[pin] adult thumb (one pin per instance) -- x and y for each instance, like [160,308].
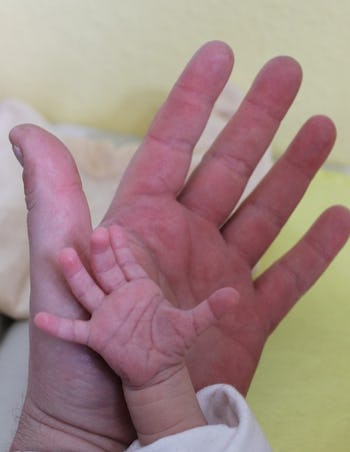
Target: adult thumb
[57,207]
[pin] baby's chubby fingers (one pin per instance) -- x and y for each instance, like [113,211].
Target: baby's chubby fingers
[103,261]
[211,310]
[67,329]
[82,285]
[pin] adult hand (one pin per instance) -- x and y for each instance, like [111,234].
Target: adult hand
[182,234]
[74,400]
[183,231]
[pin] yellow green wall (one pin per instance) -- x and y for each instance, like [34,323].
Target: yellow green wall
[109,63]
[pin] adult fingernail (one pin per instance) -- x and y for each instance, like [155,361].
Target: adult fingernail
[18,153]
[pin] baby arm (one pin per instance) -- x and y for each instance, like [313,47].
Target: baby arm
[142,337]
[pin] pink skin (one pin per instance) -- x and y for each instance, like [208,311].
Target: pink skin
[141,336]
[181,234]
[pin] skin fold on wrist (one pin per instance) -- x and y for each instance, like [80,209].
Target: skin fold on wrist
[39,432]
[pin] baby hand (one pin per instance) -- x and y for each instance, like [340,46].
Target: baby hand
[142,337]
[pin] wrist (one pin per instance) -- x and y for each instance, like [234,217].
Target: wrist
[165,408]
[41,432]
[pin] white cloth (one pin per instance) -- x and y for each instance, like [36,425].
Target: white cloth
[231,427]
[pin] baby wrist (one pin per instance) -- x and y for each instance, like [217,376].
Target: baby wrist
[164,409]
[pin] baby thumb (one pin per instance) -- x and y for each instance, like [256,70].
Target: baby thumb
[211,310]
